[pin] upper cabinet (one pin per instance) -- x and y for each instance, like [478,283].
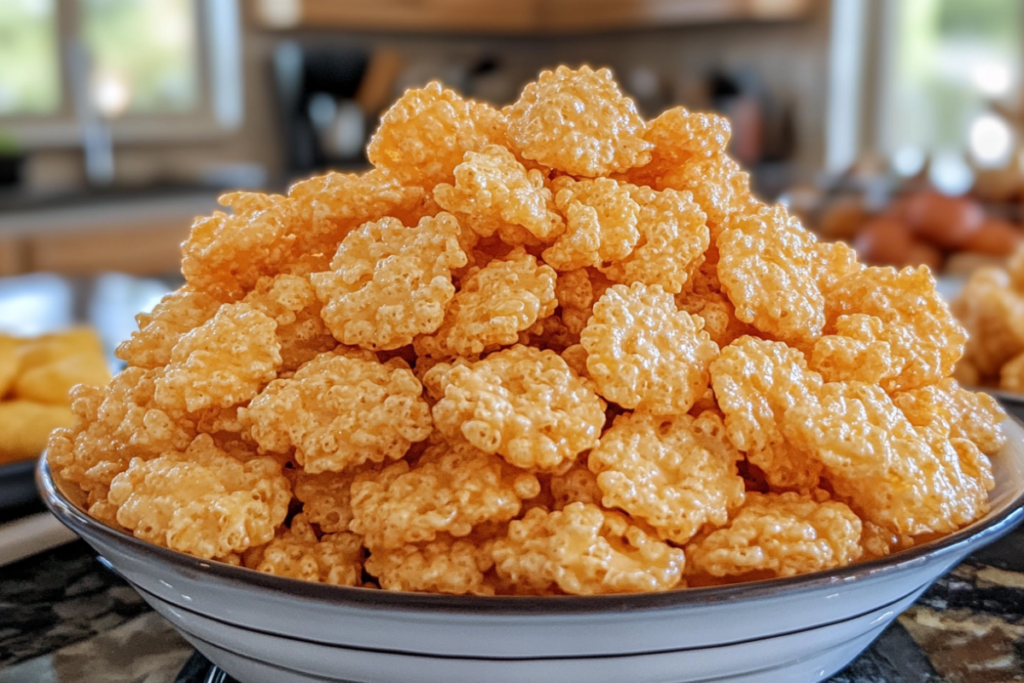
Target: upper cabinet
[517,16]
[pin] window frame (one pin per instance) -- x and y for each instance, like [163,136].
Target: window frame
[219,109]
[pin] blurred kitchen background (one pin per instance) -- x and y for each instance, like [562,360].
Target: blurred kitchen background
[893,124]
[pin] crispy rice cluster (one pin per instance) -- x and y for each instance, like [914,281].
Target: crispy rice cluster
[550,349]
[991,308]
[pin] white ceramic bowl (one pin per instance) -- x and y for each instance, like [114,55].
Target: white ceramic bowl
[266,629]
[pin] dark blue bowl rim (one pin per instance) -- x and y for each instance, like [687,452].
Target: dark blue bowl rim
[959,543]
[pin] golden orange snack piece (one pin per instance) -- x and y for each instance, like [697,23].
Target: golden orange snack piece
[601,219]
[679,135]
[493,189]
[577,485]
[290,301]
[833,262]
[579,122]
[717,313]
[493,306]
[225,254]
[859,351]
[330,206]
[202,501]
[178,313]
[775,535]
[223,362]
[577,291]
[910,480]
[526,405]
[584,550]
[113,425]
[644,353]
[450,490]
[675,473]
[341,409]
[389,283]
[673,238]
[756,383]
[427,133]
[335,558]
[717,184]
[925,339]
[326,497]
[767,269]
[970,415]
[444,565]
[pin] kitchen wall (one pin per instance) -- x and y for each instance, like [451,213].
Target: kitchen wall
[789,59]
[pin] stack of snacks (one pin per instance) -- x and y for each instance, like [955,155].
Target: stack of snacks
[35,378]
[991,309]
[543,350]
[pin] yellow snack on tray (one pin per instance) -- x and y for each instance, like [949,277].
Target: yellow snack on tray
[50,348]
[677,474]
[778,535]
[526,405]
[390,283]
[25,426]
[578,122]
[9,363]
[584,550]
[341,410]
[644,353]
[51,383]
[553,349]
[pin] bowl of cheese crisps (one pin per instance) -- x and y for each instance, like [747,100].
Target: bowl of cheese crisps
[36,374]
[547,394]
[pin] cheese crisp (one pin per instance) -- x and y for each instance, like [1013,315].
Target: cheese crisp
[543,350]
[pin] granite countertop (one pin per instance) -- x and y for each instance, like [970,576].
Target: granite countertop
[67,619]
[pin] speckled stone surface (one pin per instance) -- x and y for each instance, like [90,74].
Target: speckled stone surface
[66,619]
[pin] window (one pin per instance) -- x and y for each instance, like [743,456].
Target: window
[144,53]
[153,69]
[29,62]
[953,77]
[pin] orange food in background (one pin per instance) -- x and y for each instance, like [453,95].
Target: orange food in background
[924,228]
[36,376]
